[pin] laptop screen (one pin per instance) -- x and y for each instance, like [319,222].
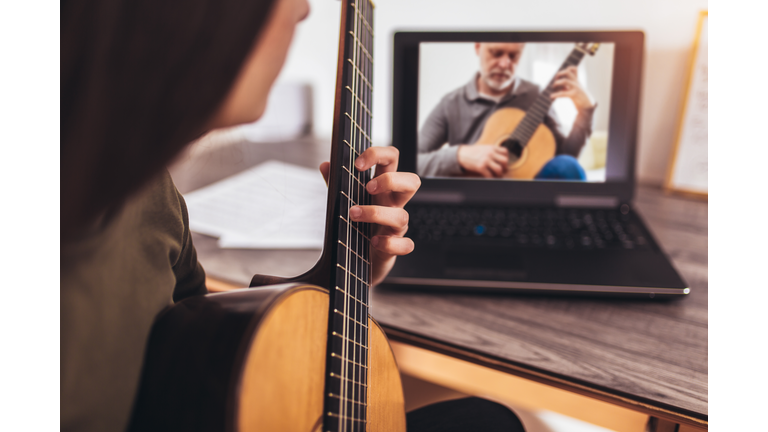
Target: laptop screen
[514,110]
[545,117]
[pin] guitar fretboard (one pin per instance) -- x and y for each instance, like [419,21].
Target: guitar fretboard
[346,393]
[536,113]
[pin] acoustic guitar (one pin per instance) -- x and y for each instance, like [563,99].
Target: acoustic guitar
[303,355]
[530,143]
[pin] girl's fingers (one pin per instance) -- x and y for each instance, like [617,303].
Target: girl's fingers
[403,183]
[385,159]
[393,245]
[396,218]
[325,170]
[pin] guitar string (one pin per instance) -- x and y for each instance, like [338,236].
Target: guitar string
[358,287]
[364,198]
[366,177]
[345,384]
[360,116]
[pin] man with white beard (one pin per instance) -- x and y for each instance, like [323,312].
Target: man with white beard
[458,120]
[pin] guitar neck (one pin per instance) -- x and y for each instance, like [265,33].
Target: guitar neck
[538,111]
[348,242]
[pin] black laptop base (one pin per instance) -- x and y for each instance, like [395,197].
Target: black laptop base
[571,259]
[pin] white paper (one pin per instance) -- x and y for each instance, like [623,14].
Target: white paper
[274,205]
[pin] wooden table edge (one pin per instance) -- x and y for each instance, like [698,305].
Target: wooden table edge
[643,406]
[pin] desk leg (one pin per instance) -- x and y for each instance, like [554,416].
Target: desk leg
[660,425]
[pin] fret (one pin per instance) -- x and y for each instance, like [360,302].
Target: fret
[529,126]
[336,310]
[352,354]
[356,312]
[348,400]
[362,18]
[348,317]
[354,319]
[353,275]
[349,380]
[359,128]
[340,357]
[362,46]
[341,336]
[346,417]
[360,184]
[360,102]
[340,363]
[356,254]
[362,75]
[350,200]
[356,229]
[352,189]
[351,147]
[357,300]
[539,110]
[344,359]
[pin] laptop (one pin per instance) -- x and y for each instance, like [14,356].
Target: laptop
[525,144]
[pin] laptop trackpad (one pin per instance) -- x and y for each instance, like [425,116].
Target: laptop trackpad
[489,263]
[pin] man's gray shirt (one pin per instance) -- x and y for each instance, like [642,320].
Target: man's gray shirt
[460,116]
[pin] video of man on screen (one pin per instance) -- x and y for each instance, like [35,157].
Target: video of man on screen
[521,111]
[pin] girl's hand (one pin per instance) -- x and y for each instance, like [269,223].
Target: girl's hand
[390,191]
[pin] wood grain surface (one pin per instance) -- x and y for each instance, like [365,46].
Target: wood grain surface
[648,352]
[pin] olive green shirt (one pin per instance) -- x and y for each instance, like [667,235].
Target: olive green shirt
[114,281]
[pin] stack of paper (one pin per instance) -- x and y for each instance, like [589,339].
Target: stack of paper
[274,205]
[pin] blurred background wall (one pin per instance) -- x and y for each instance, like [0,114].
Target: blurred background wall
[669,27]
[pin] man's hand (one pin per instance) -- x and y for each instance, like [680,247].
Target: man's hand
[567,85]
[486,160]
[390,191]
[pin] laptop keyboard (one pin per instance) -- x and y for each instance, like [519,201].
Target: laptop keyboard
[546,228]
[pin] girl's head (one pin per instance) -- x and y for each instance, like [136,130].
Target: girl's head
[140,79]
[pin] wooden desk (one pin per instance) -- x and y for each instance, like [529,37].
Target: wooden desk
[614,363]
[646,357]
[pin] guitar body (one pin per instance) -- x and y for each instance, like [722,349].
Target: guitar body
[254,360]
[539,150]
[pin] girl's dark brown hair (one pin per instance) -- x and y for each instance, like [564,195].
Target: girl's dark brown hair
[139,81]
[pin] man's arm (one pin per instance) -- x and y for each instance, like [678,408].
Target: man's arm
[580,131]
[567,85]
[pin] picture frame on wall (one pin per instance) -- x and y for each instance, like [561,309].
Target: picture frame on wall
[688,168]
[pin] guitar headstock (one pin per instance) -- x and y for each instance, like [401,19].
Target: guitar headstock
[588,47]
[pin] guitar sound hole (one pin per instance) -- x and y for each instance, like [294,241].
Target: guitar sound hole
[514,147]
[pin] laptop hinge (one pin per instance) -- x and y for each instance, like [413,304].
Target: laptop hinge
[587,201]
